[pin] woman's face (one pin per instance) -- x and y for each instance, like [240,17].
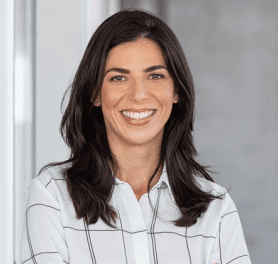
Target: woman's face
[137,93]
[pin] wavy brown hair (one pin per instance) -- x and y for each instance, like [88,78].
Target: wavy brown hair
[89,177]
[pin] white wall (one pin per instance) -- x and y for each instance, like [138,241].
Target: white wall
[59,42]
[24,111]
[17,79]
[6,131]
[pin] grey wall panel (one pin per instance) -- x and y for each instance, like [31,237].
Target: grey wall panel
[231,48]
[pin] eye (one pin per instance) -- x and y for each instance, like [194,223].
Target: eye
[116,78]
[157,76]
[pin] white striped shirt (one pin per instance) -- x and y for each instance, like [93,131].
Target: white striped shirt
[53,235]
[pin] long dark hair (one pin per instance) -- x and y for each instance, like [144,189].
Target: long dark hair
[89,177]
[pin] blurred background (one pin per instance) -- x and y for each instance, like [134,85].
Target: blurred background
[231,48]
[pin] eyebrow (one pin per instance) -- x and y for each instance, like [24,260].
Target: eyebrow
[149,69]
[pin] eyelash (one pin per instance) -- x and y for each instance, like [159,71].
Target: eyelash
[161,75]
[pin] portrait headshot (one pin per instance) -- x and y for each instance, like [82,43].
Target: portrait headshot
[132,190]
[153,134]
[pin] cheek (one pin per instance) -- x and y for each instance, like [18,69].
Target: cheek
[109,99]
[166,97]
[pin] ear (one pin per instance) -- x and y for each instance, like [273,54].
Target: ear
[97,101]
[175,98]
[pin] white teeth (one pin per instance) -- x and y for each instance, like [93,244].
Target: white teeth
[137,116]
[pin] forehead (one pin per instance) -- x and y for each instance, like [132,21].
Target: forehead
[142,52]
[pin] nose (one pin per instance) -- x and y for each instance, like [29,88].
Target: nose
[138,91]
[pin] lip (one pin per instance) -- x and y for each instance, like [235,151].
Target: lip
[139,110]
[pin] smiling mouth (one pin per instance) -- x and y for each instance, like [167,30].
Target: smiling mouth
[138,115]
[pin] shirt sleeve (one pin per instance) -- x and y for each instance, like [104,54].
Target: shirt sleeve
[43,240]
[229,246]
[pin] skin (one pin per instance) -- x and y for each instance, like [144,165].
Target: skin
[136,148]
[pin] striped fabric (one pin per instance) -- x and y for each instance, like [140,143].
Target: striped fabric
[53,235]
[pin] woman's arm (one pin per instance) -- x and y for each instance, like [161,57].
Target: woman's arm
[43,240]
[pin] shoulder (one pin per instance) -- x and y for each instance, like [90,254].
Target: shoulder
[209,186]
[50,182]
[223,206]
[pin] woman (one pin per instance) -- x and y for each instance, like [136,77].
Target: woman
[129,124]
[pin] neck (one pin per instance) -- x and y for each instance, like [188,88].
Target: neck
[137,164]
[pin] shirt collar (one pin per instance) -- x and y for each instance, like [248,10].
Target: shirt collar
[162,182]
